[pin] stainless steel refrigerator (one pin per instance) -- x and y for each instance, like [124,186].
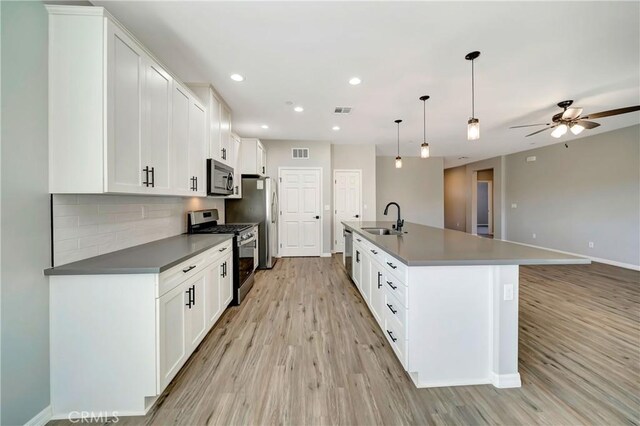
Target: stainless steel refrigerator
[259,204]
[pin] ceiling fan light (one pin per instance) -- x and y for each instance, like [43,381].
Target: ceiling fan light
[576,129]
[473,129]
[398,163]
[559,131]
[424,150]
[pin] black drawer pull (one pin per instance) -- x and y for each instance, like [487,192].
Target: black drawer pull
[395,287]
[393,311]
[395,339]
[392,265]
[379,276]
[374,252]
[358,240]
[222,249]
[185,270]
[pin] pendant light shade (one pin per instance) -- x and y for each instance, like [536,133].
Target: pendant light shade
[559,131]
[473,125]
[576,128]
[398,158]
[424,147]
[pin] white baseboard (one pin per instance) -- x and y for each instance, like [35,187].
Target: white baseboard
[325,255]
[504,381]
[42,418]
[592,258]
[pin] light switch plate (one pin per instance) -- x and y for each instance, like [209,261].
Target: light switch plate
[514,206]
[508,292]
[327,207]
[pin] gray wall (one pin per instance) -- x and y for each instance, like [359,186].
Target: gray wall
[361,157]
[570,196]
[24,224]
[279,155]
[418,187]
[455,198]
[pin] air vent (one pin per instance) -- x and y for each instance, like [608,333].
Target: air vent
[300,153]
[342,110]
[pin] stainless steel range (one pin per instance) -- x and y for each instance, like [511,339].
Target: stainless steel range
[206,222]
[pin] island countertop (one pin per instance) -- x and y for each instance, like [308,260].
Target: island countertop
[150,258]
[422,245]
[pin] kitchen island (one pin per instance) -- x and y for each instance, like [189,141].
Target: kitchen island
[446,301]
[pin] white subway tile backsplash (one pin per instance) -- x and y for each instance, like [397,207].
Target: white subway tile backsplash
[89,225]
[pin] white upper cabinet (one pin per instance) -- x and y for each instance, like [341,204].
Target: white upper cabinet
[254,157]
[197,142]
[118,121]
[236,163]
[219,144]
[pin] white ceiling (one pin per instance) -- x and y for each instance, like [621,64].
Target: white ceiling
[534,55]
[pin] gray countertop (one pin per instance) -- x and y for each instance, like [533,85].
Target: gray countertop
[150,258]
[428,246]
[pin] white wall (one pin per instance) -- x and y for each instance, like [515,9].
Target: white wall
[24,223]
[279,155]
[418,187]
[91,225]
[361,157]
[571,196]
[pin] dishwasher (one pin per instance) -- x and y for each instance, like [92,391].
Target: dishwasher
[348,251]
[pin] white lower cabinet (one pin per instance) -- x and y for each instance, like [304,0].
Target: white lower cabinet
[117,341]
[377,292]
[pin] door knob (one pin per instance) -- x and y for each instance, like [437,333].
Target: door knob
[357,216]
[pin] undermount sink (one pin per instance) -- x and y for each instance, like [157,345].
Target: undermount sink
[382,231]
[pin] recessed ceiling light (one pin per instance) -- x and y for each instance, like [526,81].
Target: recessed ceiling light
[237,77]
[298,109]
[336,128]
[355,81]
[264,126]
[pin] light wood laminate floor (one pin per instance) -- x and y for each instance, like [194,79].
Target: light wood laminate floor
[304,349]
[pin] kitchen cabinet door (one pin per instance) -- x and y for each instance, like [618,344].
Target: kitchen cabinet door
[377,292]
[357,265]
[226,285]
[196,315]
[125,112]
[236,163]
[215,278]
[157,97]
[365,276]
[197,141]
[261,166]
[179,165]
[172,342]
[225,135]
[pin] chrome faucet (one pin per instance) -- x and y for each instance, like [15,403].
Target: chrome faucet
[399,222]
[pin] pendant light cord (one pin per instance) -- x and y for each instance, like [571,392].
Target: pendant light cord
[398,139]
[473,91]
[424,126]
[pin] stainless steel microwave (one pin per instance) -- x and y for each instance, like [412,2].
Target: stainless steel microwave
[219,178]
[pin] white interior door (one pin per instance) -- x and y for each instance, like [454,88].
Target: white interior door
[300,212]
[347,201]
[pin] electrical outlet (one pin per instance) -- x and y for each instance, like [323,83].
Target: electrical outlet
[508,292]
[457,224]
[534,235]
[590,244]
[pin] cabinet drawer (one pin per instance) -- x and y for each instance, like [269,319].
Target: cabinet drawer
[396,338]
[219,251]
[396,287]
[376,253]
[395,311]
[395,267]
[174,276]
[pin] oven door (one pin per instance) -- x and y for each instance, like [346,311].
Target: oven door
[245,261]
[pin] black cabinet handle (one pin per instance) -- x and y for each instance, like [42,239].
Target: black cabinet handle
[393,311]
[391,335]
[192,180]
[358,240]
[191,299]
[237,190]
[263,170]
[146,176]
[185,270]
[395,287]
[224,154]
[222,270]
[153,177]
[222,249]
[379,276]
[373,251]
[392,265]
[193,293]
[357,256]
[196,181]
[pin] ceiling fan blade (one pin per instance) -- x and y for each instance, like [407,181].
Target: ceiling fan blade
[588,124]
[530,125]
[539,131]
[571,113]
[612,112]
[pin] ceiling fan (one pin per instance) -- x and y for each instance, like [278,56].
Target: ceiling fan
[570,119]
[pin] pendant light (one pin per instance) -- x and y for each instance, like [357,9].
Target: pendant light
[473,125]
[398,158]
[424,148]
